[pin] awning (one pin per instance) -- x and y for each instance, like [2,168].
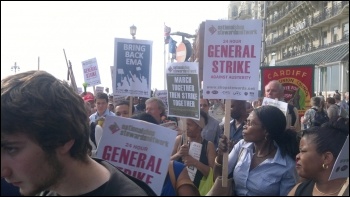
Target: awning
[328,55]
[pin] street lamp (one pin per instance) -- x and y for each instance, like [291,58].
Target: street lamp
[133,31]
[15,67]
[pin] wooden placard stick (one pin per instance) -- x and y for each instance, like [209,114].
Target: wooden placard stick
[131,105]
[227,134]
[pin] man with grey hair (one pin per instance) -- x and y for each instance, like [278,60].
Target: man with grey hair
[156,108]
[274,90]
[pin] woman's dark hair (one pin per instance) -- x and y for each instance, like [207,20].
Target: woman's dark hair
[145,117]
[316,101]
[329,136]
[330,100]
[274,121]
[204,115]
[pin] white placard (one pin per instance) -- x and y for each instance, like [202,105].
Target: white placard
[162,95]
[341,165]
[80,90]
[91,73]
[283,106]
[231,59]
[138,148]
[195,152]
[99,89]
[117,99]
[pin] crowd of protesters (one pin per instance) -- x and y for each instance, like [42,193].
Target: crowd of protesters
[49,133]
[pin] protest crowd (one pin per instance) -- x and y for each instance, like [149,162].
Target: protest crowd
[180,141]
[50,139]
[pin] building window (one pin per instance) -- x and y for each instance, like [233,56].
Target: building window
[234,11]
[249,7]
[334,34]
[324,37]
[325,5]
[333,79]
[345,30]
[317,80]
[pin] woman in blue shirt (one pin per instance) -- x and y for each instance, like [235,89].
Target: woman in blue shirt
[263,162]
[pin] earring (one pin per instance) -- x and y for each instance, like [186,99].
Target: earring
[265,137]
[324,166]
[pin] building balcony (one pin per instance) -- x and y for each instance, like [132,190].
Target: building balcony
[325,18]
[336,10]
[286,36]
[309,49]
[283,15]
[273,4]
[331,54]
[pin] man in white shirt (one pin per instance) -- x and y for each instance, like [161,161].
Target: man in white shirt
[274,90]
[101,102]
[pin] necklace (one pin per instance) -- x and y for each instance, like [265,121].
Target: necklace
[270,151]
[328,194]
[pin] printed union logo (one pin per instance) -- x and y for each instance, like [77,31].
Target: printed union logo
[114,128]
[170,69]
[246,93]
[343,168]
[214,92]
[237,93]
[208,92]
[225,92]
[212,30]
[251,93]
